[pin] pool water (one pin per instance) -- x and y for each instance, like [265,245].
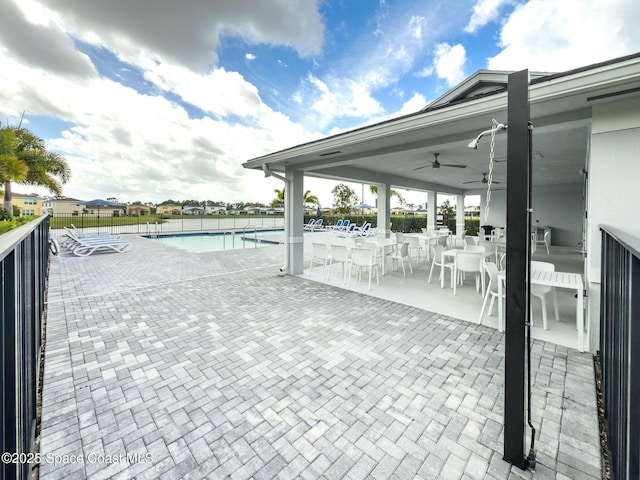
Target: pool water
[213,242]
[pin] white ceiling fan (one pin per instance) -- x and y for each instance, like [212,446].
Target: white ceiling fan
[436,164]
[484,180]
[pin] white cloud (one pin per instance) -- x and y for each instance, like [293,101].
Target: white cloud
[416,24]
[250,56]
[414,104]
[484,11]
[449,62]
[337,98]
[188,33]
[552,35]
[32,39]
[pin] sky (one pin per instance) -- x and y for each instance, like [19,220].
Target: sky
[152,100]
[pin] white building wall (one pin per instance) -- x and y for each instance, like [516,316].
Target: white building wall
[559,206]
[614,186]
[562,208]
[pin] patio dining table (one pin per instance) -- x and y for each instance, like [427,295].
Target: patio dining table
[381,243]
[568,280]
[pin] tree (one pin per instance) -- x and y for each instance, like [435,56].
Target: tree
[24,158]
[394,193]
[308,199]
[447,211]
[344,198]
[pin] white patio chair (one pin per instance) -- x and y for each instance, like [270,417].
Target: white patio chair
[363,258]
[319,252]
[415,248]
[468,240]
[493,292]
[468,262]
[400,255]
[542,291]
[339,254]
[437,260]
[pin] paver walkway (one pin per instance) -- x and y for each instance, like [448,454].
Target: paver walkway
[213,366]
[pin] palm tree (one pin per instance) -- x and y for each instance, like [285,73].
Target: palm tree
[24,158]
[393,193]
[308,198]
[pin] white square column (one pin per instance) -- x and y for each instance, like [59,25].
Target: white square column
[432,210]
[293,222]
[459,215]
[384,211]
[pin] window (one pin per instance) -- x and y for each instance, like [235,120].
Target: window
[28,212]
[30,201]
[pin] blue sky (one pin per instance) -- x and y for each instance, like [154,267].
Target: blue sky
[157,99]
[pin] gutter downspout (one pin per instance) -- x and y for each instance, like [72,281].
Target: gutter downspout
[270,173]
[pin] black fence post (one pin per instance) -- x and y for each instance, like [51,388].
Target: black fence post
[518,248]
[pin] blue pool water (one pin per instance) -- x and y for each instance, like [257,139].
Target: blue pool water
[213,242]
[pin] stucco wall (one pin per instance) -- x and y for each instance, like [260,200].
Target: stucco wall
[560,206]
[614,188]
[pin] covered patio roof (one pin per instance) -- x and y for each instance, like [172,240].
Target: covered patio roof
[392,152]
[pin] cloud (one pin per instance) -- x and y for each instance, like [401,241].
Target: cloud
[484,11]
[549,35]
[338,98]
[40,45]
[188,33]
[449,62]
[416,103]
[250,56]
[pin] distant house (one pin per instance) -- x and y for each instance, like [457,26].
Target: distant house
[28,204]
[399,211]
[138,210]
[193,210]
[217,210]
[169,209]
[62,205]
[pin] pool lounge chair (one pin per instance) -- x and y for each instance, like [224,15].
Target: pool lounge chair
[84,247]
[337,226]
[310,224]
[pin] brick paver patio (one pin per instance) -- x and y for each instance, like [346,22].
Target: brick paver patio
[211,365]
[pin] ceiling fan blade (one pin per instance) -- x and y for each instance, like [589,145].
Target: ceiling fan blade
[420,168]
[452,165]
[473,181]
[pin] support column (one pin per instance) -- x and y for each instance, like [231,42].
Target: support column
[518,251]
[384,211]
[459,215]
[294,218]
[432,210]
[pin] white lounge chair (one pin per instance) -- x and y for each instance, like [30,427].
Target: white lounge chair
[84,247]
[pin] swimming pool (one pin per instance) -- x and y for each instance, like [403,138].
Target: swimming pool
[216,241]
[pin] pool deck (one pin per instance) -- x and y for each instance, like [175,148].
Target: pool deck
[212,365]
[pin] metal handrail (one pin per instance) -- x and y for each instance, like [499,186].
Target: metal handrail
[224,239]
[255,235]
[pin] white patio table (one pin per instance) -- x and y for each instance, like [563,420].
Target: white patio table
[568,280]
[381,243]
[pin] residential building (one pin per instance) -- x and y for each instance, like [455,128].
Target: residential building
[169,209]
[28,204]
[138,210]
[63,205]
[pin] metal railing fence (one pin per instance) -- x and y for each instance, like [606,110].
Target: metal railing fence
[620,349]
[24,257]
[156,224]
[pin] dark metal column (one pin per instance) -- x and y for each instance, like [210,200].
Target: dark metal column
[518,248]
